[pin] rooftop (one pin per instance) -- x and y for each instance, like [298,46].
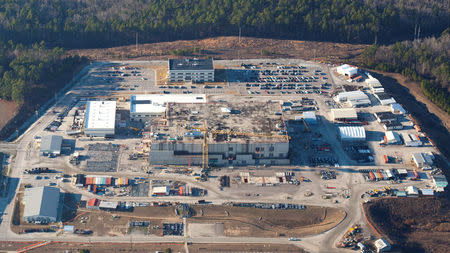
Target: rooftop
[51,143]
[100,114]
[191,64]
[41,201]
[247,121]
[157,103]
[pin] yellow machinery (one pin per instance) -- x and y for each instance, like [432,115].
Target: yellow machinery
[205,157]
[204,129]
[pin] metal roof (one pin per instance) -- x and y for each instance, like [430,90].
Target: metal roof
[156,103]
[352,133]
[100,115]
[51,144]
[41,201]
[346,113]
[191,64]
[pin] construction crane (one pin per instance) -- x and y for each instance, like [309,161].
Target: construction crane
[205,131]
[205,157]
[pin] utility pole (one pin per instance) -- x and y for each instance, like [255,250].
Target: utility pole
[137,42]
[239,34]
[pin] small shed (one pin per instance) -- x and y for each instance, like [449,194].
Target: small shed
[397,108]
[427,192]
[382,245]
[160,191]
[412,191]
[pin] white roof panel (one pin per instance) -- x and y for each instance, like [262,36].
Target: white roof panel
[156,103]
[346,113]
[352,132]
[100,115]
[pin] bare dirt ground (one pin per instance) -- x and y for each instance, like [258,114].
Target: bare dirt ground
[243,221]
[149,247]
[237,221]
[413,224]
[7,111]
[94,247]
[231,48]
[217,247]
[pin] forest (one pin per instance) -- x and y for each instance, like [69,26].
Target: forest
[424,60]
[33,74]
[106,23]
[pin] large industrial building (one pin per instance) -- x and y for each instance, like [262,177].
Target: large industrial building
[355,98]
[250,133]
[352,133]
[347,70]
[100,118]
[41,204]
[146,107]
[195,70]
[51,145]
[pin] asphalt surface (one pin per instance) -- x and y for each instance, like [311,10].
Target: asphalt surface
[324,242]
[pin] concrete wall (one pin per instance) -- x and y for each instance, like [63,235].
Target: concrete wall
[220,154]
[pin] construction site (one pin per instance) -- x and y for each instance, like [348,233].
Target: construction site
[221,134]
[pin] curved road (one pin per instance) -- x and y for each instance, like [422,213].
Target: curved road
[324,242]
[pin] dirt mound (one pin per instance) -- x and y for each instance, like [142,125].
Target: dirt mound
[414,224]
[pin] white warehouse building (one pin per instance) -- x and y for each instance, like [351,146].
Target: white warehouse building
[100,118]
[41,204]
[195,70]
[352,133]
[146,107]
[353,98]
[347,70]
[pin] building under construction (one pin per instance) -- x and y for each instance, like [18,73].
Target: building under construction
[220,134]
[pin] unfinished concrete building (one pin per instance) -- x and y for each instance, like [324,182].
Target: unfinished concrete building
[247,133]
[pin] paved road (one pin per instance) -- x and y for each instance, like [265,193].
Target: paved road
[318,243]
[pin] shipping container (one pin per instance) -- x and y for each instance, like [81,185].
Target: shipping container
[372,176]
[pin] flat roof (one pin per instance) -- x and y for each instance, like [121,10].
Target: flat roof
[51,143]
[248,120]
[100,115]
[41,201]
[191,64]
[345,113]
[157,103]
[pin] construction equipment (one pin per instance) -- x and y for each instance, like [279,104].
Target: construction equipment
[135,129]
[205,131]
[306,126]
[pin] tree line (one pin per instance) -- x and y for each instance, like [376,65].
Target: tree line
[33,74]
[424,60]
[105,23]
